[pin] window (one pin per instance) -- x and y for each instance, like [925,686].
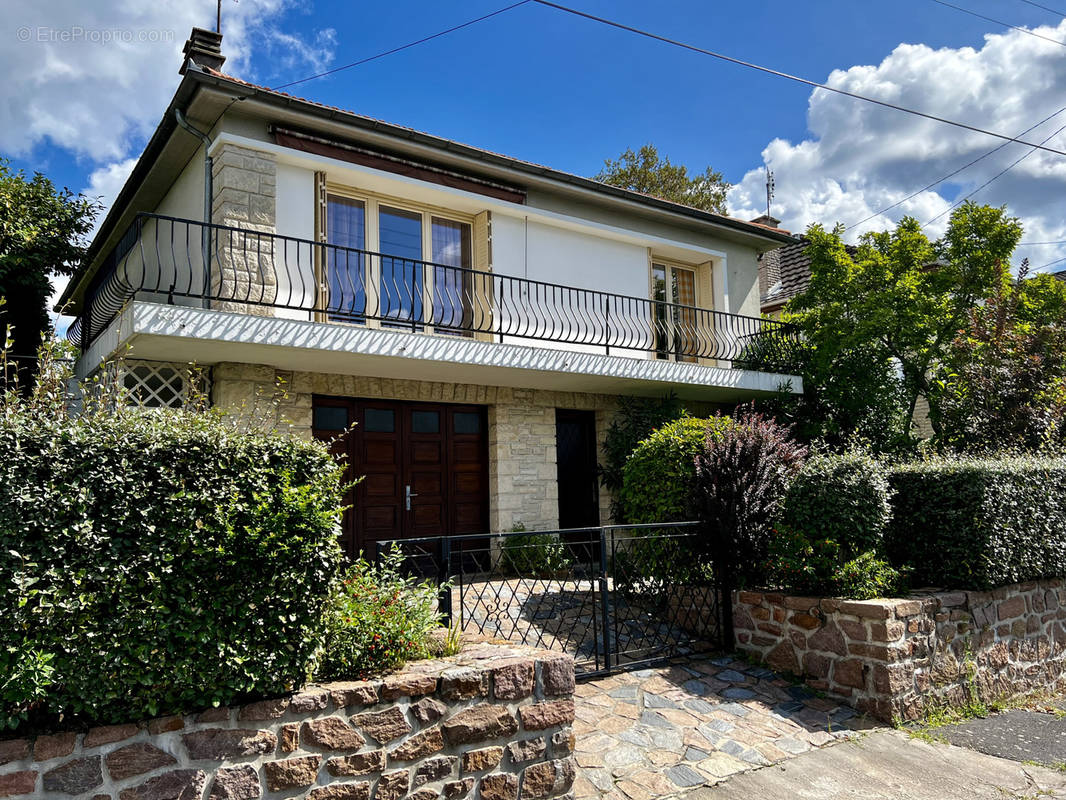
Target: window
[674,313]
[402,274]
[422,276]
[452,288]
[346,270]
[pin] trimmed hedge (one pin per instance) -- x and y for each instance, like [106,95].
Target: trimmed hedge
[659,477]
[843,498]
[829,536]
[979,523]
[160,562]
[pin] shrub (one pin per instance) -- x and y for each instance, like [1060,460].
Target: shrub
[979,523]
[651,563]
[830,531]
[158,562]
[842,498]
[380,619]
[659,479]
[741,476]
[819,567]
[539,555]
[637,417]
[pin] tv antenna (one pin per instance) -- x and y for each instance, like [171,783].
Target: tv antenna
[769,190]
[218,19]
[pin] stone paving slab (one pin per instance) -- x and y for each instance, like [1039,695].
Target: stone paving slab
[889,765]
[1018,734]
[660,732]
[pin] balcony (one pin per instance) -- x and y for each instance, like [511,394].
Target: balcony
[180,263]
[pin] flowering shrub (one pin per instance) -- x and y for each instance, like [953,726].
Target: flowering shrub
[381,618]
[820,566]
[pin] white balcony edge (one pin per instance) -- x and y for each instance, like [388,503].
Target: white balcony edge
[152,330]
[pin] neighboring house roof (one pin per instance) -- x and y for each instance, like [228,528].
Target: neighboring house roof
[783,274]
[1061,274]
[197,77]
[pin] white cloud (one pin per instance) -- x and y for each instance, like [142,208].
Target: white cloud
[861,158]
[94,77]
[106,182]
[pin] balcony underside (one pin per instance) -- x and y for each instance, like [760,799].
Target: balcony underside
[182,334]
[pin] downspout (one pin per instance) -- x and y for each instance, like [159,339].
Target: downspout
[208,195]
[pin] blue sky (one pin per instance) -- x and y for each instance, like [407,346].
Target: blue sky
[551,88]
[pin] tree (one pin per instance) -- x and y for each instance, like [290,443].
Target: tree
[888,310]
[42,232]
[646,172]
[1003,380]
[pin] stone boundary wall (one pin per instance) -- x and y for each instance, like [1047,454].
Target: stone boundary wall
[493,723]
[894,658]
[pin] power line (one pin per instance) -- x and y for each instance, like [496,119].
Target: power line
[796,78]
[998,175]
[423,40]
[1045,8]
[1000,22]
[953,173]
[1051,263]
[1034,244]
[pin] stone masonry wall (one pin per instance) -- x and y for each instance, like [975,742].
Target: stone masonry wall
[895,658]
[523,485]
[493,723]
[244,188]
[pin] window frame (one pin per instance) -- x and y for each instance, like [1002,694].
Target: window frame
[669,265]
[372,202]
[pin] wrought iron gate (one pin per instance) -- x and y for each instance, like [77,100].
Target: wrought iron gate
[615,597]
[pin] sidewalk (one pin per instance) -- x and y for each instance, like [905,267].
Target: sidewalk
[890,765]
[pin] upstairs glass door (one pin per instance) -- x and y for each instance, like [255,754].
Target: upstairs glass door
[402,279]
[453,290]
[674,293]
[345,270]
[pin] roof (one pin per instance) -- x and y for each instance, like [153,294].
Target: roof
[783,274]
[516,163]
[197,77]
[1061,274]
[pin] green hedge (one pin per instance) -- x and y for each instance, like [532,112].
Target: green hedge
[659,477]
[158,562]
[979,523]
[844,498]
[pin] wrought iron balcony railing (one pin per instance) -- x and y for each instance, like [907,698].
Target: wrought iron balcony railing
[182,262]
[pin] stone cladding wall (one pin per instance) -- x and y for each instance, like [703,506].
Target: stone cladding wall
[493,723]
[895,658]
[244,188]
[523,482]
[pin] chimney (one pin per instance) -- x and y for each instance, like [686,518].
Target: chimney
[204,49]
[767,220]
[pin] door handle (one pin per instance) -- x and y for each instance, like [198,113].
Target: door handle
[408,494]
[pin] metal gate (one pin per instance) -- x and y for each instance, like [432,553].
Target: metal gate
[614,597]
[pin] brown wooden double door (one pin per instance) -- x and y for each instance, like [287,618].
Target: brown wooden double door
[424,467]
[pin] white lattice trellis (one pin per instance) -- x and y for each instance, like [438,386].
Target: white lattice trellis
[159,384]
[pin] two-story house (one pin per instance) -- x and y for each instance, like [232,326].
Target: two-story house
[470,317]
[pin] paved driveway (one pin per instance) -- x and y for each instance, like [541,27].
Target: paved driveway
[664,731]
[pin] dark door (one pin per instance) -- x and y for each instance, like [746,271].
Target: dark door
[424,468]
[579,493]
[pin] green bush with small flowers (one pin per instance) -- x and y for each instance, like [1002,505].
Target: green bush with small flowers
[380,619]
